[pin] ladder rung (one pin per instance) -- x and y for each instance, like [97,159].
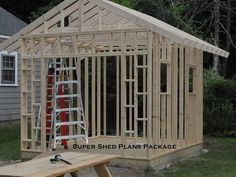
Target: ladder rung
[68,109]
[142,66]
[66,68]
[26,115]
[67,96]
[27,140]
[129,80]
[26,91]
[141,119]
[37,80]
[36,104]
[129,131]
[129,106]
[142,93]
[37,128]
[70,137]
[69,123]
[67,82]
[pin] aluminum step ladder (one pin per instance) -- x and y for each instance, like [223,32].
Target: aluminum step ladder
[74,107]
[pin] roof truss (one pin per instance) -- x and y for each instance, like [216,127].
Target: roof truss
[90,15]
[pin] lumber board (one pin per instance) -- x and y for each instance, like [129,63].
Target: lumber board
[199,91]
[93,96]
[40,21]
[117,96]
[98,96]
[186,78]
[123,94]
[130,59]
[42,166]
[149,90]
[181,93]
[24,102]
[169,86]
[156,89]
[105,95]
[86,83]
[144,96]
[33,90]
[102,170]
[43,100]
[174,91]
[119,11]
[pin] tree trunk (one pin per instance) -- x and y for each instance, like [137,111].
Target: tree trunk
[228,26]
[228,33]
[216,59]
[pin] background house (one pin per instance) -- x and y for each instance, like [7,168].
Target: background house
[9,82]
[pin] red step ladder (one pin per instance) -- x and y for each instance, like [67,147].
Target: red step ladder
[49,107]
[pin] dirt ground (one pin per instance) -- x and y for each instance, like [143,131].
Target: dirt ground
[115,171]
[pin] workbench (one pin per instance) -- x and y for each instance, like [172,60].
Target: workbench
[42,167]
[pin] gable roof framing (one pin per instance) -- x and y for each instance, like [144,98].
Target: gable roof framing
[89,12]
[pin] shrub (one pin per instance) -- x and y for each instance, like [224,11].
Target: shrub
[219,105]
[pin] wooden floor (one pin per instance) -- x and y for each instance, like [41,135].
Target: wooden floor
[108,143]
[136,157]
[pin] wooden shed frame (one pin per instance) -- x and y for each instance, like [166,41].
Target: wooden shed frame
[146,54]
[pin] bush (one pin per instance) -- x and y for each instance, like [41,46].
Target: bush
[219,105]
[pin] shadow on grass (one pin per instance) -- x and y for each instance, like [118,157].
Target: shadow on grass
[9,140]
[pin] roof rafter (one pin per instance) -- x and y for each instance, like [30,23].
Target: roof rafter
[104,12]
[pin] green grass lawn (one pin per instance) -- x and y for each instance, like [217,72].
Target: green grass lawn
[219,162]
[9,141]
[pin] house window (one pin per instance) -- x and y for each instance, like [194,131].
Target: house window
[8,66]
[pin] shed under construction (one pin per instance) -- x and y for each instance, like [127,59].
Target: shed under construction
[132,80]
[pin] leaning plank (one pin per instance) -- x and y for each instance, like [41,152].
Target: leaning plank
[43,97]
[102,170]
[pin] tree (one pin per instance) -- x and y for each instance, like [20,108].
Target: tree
[43,9]
[127,3]
[216,59]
